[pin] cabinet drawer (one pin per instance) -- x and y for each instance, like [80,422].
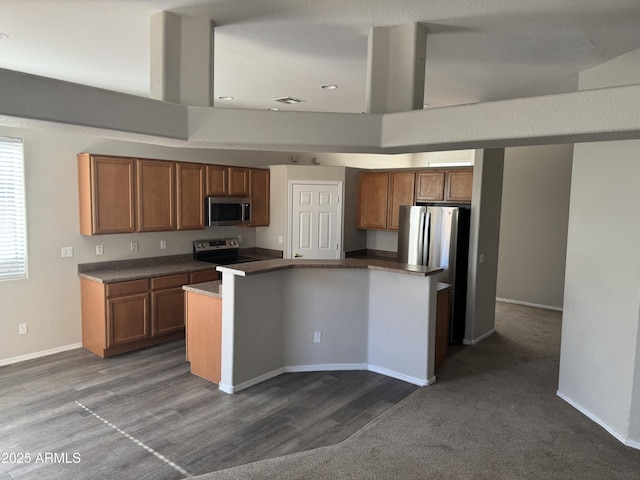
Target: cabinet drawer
[169,281]
[127,288]
[204,276]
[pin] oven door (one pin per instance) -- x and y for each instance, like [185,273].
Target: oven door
[227,211]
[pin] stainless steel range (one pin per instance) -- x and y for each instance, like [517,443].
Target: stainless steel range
[221,251]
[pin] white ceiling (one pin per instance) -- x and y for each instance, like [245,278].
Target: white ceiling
[477,50]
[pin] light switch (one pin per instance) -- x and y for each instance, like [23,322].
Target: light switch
[67,252]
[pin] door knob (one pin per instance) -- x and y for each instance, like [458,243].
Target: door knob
[297,255]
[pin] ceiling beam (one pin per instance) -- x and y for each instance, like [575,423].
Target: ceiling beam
[396,68]
[587,115]
[182,52]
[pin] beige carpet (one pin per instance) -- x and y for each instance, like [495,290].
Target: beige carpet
[492,414]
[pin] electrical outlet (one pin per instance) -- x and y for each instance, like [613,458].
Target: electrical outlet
[239,238]
[317,337]
[22,329]
[163,244]
[67,252]
[481,258]
[280,240]
[134,246]
[99,249]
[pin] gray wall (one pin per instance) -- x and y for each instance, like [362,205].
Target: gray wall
[483,244]
[49,299]
[600,357]
[533,229]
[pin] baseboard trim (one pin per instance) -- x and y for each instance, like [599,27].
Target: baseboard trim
[324,368]
[528,304]
[594,418]
[43,353]
[475,341]
[421,382]
[250,383]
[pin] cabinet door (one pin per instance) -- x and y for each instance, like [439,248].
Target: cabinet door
[459,186]
[401,192]
[167,311]
[156,195]
[127,319]
[217,180]
[430,186]
[239,181]
[190,192]
[373,191]
[204,336]
[107,194]
[259,186]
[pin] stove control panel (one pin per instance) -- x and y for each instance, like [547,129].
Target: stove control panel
[216,244]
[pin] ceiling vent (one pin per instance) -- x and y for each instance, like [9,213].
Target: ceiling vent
[288,100]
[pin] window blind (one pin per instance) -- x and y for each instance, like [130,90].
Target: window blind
[13,242]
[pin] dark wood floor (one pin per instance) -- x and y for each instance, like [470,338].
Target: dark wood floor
[142,415]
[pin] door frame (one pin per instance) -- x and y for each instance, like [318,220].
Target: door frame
[337,183]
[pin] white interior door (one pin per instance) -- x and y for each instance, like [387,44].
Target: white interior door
[316,215]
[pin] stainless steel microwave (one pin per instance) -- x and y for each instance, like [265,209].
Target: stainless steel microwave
[227,211]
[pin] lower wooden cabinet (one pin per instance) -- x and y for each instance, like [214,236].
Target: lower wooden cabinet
[443,314]
[204,335]
[124,316]
[127,319]
[167,304]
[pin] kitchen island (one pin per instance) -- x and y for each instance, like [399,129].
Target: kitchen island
[283,316]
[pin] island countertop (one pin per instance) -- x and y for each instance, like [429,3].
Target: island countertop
[265,266]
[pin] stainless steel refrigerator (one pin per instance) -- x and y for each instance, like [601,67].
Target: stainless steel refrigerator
[438,236]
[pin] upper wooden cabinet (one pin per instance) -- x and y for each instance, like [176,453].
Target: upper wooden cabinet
[156,195]
[373,195]
[430,186]
[190,195]
[224,180]
[239,181]
[217,180]
[381,193]
[401,192]
[106,188]
[259,192]
[126,195]
[459,186]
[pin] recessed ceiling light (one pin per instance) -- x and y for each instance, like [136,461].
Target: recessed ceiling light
[287,100]
[3,36]
[329,86]
[224,98]
[273,109]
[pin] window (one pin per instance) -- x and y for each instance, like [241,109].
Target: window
[13,238]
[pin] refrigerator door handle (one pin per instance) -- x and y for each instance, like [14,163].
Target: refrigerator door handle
[425,222]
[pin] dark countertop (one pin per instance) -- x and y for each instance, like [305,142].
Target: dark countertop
[266,266]
[210,289]
[125,270]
